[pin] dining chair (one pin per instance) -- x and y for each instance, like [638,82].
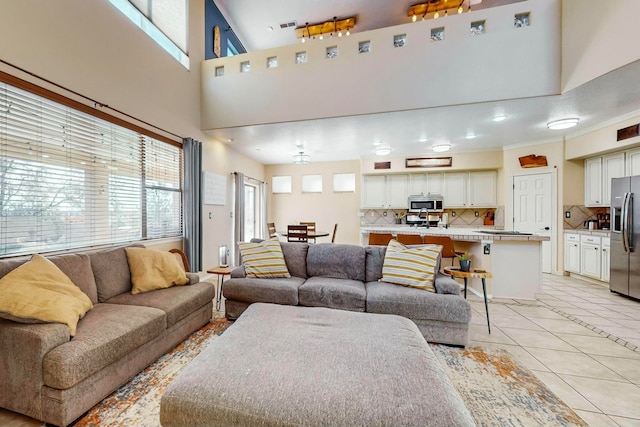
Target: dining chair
[448,249]
[271,226]
[297,233]
[380,239]
[409,239]
[311,229]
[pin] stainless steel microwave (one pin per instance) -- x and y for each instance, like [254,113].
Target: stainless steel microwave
[430,203]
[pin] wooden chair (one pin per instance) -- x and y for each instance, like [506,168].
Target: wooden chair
[182,258]
[311,228]
[409,239]
[271,227]
[379,239]
[297,233]
[335,230]
[448,249]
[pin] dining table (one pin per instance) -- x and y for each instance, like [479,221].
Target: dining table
[310,234]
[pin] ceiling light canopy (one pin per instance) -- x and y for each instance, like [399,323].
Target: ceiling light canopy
[499,117]
[470,135]
[301,158]
[563,124]
[334,26]
[383,151]
[441,148]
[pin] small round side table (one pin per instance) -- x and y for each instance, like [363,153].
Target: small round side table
[474,273]
[220,272]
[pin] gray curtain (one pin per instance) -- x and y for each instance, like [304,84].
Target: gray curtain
[238,190]
[193,202]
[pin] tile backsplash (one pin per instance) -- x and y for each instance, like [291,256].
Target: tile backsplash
[579,214]
[462,218]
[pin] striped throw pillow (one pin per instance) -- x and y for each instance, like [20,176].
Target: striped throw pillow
[263,259]
[415,266]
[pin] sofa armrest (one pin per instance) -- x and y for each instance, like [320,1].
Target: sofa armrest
[446,285]
[238,273]
[193,278]
[22,350]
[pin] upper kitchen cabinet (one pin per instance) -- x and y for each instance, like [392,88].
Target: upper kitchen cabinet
[632,162]
[470,189]
[426,183]
[385,191]
[598,174]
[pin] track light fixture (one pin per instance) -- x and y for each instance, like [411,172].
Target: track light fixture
[333,26]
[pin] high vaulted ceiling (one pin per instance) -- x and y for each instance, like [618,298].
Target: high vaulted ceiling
[413,132]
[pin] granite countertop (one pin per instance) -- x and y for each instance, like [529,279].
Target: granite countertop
[458,233]
[601,233]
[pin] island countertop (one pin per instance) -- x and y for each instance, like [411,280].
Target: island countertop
[456,233]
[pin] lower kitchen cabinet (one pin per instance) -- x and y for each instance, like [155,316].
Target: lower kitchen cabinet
[587,255]
[572,253]
[590,260]
[605,262]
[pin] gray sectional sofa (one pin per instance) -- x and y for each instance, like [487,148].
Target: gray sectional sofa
[49,375]
[347,277]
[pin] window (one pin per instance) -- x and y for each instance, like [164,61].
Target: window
[165,21]
[251,214]
[71,180]
[231,49]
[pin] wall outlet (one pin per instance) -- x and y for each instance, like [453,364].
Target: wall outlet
[567,214]
[476,213]
[384,213]
[453,214]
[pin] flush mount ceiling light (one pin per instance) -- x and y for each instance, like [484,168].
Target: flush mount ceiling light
[383,151]
[498,117]
[301,158]
[470,135]
[441,148]
[563,124]
[334,26]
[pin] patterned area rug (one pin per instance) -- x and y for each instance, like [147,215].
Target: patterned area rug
[500,392]
[496,389]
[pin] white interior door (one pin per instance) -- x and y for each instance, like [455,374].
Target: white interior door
[533,211]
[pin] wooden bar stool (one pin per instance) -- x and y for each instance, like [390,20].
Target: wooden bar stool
[380,239]
[409,239]
[474,273]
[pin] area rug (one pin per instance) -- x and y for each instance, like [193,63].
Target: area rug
[498,391]
[495,388]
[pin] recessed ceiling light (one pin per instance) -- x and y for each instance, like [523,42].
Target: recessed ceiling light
[423,139]
[563,124]
[270,28]
[441,148]
[499,118]
[470,135]
[376,143]
[383,151]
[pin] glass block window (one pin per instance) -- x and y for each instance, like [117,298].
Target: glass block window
[301,57]
[437,34]
[332,52]
[245,67]
[364,47]
[399,40]
[272,62]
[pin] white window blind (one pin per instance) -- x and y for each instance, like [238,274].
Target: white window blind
[70,180]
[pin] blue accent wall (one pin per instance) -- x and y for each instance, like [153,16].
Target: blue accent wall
[213,17]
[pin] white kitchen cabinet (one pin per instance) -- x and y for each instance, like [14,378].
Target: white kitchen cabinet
[435,183]
[455,189]
[426,183]
[374,192]
[482,189]
[385,191]
[598,174]
[572,252]
[605,260]
[632,162]
[590,256]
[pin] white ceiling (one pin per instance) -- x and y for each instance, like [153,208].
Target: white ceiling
[348,138]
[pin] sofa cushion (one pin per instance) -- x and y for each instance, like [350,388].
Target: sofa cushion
[177,302]
[415,266]
[78,268]
[38,291]
[111,271]
[277,290]
[344,294]
[337,261]
[387,298]
[373,263]
[295,255]
[151,270]
[263,259]
[104,336]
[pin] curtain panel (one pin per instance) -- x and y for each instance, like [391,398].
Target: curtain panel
[193,202]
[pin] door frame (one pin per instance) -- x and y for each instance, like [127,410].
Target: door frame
[555,229]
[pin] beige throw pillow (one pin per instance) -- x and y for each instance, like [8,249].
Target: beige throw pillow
[38,291]
[263,259]
[152,269]
[415,267]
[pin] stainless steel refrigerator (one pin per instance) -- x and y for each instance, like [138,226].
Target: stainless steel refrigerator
[625,232]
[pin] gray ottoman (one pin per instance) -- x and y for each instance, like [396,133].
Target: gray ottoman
[306,366]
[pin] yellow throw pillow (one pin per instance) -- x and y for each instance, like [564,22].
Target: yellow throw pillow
[38,291]
[152,269]
[263,259]
[415,267]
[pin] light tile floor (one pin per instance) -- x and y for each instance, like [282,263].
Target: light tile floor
[580,339]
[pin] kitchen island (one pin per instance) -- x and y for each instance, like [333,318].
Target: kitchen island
[513,258]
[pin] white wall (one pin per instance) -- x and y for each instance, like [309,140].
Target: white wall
[597,37]
[503,63]
[602,139]
[90,47]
